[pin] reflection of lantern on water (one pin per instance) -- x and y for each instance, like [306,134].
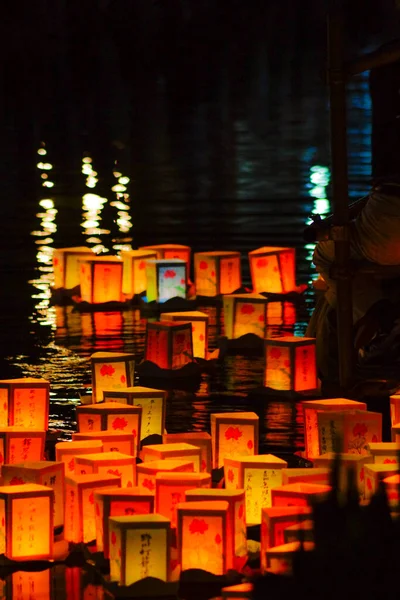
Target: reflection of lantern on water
[171,251]
[108,325]
[180,451]
[348,431]
[101,279]
[111,371]
[244,314]
[67,267]
[374,474]
[66,452]
[273,269]
[166,279]
[290,364]
[115,416]
[18,444]
[171,488]
[348,463]
[299,494]
[147,471]
[280,558]
[310,475]
[217,273]
[134,279]
[233,435]
[199,321]
[108,463]
[384,452]
[112,441]
[169,344]
[139,548]
[78,585]
[25,403]
[201,439]
[32,585]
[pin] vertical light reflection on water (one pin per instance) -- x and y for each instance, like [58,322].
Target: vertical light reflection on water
[122,205]
[92,206]
[317,188]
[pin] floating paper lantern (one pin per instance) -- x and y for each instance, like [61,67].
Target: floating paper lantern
[348,432]
[310,408]
[101,279]
[385,452]
[392,488]
[241,591]
[118,502]
[147,471]
[180,451]
[79,519]
[257,475]
[25,403]
[280,558]
[166,279]
[300,532]
[245,313]
[201,439]
[199,321]
[67,266]
[290,364]
[152,401]
[46,473]
[111,371]
[169,344]
[374,474]
[115,416]
[202,536]
[299,494]
[217,273]
[113,441]
[26,522]
[233,434]
[139,548]
[108,463]
[394,409]
[171,251]
[67,451]
[171,488]
[348,462]
[273,269]
[134,280]
[18,445]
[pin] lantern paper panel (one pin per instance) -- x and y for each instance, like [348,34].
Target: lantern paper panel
[113,441]
[118,502]
[66,265]
[202,536]
[166,279]
[241,591]
[25,403]
[46,473]
[18,444]
[374,474]
[233,435]
[310,408]
[172,251]
[29,585]
[394,409]
[300,532]
[348,431]
[171,488]
[147,471]
[290,364]
[385,452]
[299,494]
[244,314]
[217,273]
[108,463]
[199,321]
[273,269]
[111,371]
[169,344]
[101,279]
[114,416]
[280,558]
[392,488]
[180,451]
[307,475]
[139,548]
[67,451]
[134,280]
[201,439]
[152,401]
[348,462]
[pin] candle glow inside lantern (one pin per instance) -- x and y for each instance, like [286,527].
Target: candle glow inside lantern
[152,401]
[290,364]
[201,439]
[26,522]
[108,463]
[113,441]
[199,321]
[134,280]
[115,416]
[25,403]
[46,473]
[217,273]
[257,475]
[118,502]
[280,558]
[310,475]
[18,444]
[245,313]
[394,409]
[385,452]
[67,451]
[233,435]
[273,269]
[299,494]
[169,344]
[66,266]
[310,408]
[139,548]
[202,536]
[111,371]
[348,431]
[147,471]
[79,516]
[392,488]
[348,462]
[166,279]
[374,474]
[171,251]
[101,279]
[181,451]
[171,488]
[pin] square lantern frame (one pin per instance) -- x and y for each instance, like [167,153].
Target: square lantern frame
[112,357]
[8,391]
[70,450]
[179,451]
[106,411]
[91,263]
[218,256]
[190,316]
[202,439]
[287,284]
[171,327]
[238,418]
[293,342]
[156,265]
[112,441]
[7,434]
[113,460]
[64,255]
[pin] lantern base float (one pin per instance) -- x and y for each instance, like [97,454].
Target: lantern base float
[87,307]
[211,584]
[250,343]
[218,299]
[64,297]
[150,587]
[147,368]
[267,392]
[172,305]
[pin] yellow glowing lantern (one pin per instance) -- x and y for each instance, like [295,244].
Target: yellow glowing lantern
[166,279]
[374,474]
[25,403]
[147,471]
[348,463]
[134,280]
[31,585]
[170,491]
[46,473]
[202,536]
[67,266]
[245,313]
[280,558]
[199,321]
[310,408]
[310,475]
[18,444]
[233,435]
[139,548]
[112,441]
[101,279]
[257,475]
[201,439]
[181,451]
[169,344]
[290,364]
[236,534]
[171,251]
[300,532]
[79,516]
[348,431]
[241,591]
[273,269]
[394,409]
[152,401]
[118,502]
[111,371]
[108,463]
[299,494]
[385,452]
[217,273]
[67,451]
[115,416]
[26,522]
[274,521]
[392,488]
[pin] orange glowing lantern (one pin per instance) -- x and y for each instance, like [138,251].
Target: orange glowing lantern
[25,403]
[46,473]
[26,522]
[394,409]
[67,451]
[299,494]
[310,408]
[273,269]
[134,280]
[67,266]
[169,344]
[111,371]
[139,548]
[147,471]
[396,433]
[392,488]
[202,536]
[201,439]
[30,585]
[348,463]
[290,364]
[18,445]
[152,401]
[274,521]
[171,488]
[241,591]
[348,431]
[180,451]
[245,313]
[233,435]
[166,279]
[115,416]
[199,321]
[236,535]
[385,452]
[171,251]
[257,475]
[280,558]
[374,474]
[217,273]
[79,516]
[108,463]
[101,279]
[118,502]
[306,476]
[300,532]
[113,441]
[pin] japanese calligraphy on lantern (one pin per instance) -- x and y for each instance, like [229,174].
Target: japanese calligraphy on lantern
[31,585]
[258,484]
[31,518]
[152,415]
[157,349]
[151,560]
[354,430]
[30,408]
[182,351]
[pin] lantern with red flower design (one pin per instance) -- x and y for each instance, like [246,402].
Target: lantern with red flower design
[384,452]
[374,474]
[171,252]
[18,444]
[273,269]
[101,279]
[147,471]
[201,439]
[134,280]
[112,440]
[348,464]
[180,451]
[199,321]
[233,434]
[169,344]
[171,488]
[67,267]
[217,273]
[115,416]
[166,279]
[25,403]
[348,431]
[67,451]
[108,463]
[111,371]
[245,313]
[290,364]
